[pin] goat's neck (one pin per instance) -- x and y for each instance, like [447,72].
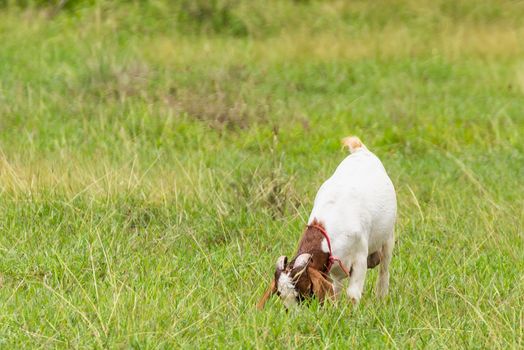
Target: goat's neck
[311,243]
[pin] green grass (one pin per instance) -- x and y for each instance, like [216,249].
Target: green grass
[156,158]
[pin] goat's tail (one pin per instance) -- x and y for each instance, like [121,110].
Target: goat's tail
[353,143]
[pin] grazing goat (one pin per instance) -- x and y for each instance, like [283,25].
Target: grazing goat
[349,230]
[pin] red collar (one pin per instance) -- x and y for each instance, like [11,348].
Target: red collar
[332,258]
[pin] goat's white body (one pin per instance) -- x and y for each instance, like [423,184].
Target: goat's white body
[357,206]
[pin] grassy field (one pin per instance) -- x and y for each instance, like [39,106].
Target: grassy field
[157,157]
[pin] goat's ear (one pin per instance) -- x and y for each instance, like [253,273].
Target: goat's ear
[322,288]
[269,292]
[281,263]
[302,260]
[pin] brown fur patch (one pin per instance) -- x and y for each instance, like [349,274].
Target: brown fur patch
[303,282]
[322,287]
[352,143]
[311,242]
[374,259]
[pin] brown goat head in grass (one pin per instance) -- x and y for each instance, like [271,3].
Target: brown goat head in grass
[297,281]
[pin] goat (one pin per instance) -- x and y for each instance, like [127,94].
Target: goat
[350,229]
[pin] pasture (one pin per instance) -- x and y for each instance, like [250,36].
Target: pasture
[157,157]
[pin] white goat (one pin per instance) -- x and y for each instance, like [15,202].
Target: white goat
[350,229]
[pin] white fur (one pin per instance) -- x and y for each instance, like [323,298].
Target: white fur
[288,294]
[357,206]
[324,245]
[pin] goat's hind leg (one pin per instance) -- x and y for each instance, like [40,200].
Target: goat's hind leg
[383,275]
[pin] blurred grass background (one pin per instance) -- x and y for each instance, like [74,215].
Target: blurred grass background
[156,157]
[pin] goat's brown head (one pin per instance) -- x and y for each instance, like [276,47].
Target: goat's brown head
[297,281]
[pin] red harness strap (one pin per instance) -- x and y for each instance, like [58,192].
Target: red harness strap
[332,258]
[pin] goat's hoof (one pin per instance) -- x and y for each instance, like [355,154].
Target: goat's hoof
[382,294]
[354,296]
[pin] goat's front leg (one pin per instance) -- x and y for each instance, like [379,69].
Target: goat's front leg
[358,277]
[383,276]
